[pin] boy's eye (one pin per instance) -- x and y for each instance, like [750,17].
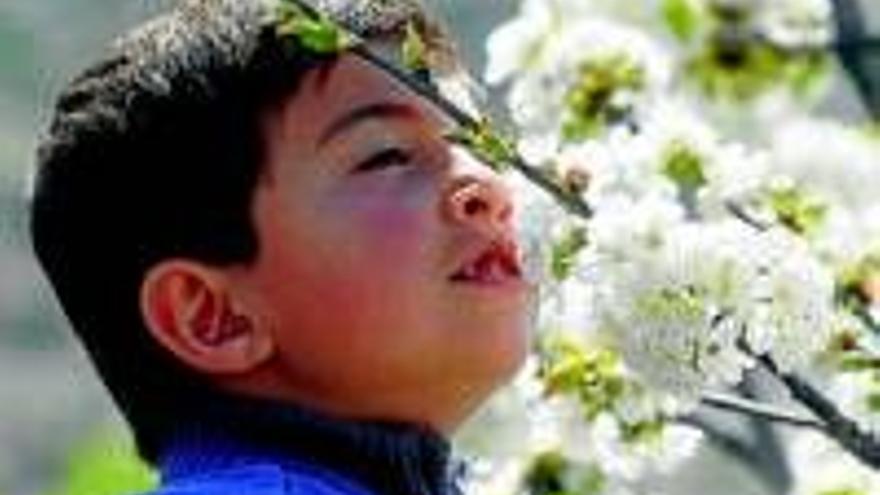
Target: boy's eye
[389,157]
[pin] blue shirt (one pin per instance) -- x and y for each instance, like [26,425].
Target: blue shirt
[255,447]
[224,469]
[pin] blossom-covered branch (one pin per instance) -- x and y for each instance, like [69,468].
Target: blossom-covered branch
[661,244]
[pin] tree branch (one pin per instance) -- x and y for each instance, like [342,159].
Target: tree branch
[740,213]
[860,311]
[852,50]
[864,445]
[573,203]
[759,410]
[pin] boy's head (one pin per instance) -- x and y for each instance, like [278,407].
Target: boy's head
[219,209]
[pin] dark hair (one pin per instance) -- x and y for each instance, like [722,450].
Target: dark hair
[155,152]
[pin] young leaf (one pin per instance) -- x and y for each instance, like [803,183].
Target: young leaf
[414,50]
[683,166]
[486,143]
[797,210]
[565,250]
[682,18]
[315,32]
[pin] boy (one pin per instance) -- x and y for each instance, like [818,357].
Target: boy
[287,277]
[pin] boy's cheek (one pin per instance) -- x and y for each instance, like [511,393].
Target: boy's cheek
[396,232]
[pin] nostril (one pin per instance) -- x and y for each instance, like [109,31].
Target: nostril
[475,205]
[506,212]
[474,199]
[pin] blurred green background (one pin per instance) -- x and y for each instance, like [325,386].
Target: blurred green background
[55,418]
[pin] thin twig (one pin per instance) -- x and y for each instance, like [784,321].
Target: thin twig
[850,23]
[573,203]
[760,410]
[860,311]
[739,212]
[862,444]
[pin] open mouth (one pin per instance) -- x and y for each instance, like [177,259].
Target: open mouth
[497,264]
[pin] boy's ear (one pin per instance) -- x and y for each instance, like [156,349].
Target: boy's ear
[187,308]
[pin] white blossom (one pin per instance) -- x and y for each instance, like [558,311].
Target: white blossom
[836,162]
[540,99]
[707,246]
[793,319]
[821,468]
[513,46]
[855,392]
[675,301]
[797,23]
[658,453]
[728,171]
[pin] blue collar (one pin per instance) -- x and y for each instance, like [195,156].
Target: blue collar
[388,458]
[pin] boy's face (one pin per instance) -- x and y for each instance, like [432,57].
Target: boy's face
[379,272]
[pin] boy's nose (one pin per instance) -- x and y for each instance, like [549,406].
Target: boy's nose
[478,197]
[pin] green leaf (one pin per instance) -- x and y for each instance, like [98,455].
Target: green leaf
[315,32]
[563,254]
[805,72]
[852,277]
[106,464]
[591,374]
[797,210]
[859,364]
[643,431]
[486,143]
[683,166]
[590,100]
[682,17]
[672,304]
[545,475]
[843,491]
[589,480]
[414,50]
[737,72]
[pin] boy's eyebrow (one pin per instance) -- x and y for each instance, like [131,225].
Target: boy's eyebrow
[382,109]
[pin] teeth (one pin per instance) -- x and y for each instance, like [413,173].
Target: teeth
[490,268]
[496,271]
[470,271]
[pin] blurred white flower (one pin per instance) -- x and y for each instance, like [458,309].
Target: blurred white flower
[575,76]
[797,23]
[657,452]
[516,44]
[793,319]
[678,152]
[670,280]
[676,307]
[857,393]
[846,235]
[538,219]
[836,162]
[821,467]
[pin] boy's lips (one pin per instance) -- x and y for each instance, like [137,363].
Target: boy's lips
[493,265]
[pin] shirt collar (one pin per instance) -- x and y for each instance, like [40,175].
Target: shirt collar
[389,458]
